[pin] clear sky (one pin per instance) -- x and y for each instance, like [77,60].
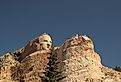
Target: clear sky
[22,20]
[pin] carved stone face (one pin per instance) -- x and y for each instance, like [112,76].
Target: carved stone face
[45,42]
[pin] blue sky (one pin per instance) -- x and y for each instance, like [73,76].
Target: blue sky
[23,20]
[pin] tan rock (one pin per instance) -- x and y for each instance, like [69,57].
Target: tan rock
[7,61]
[31,68]
[33,60]
[78,60]
[43,42]
[82,64]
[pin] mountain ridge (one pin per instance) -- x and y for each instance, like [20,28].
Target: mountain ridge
[79,60]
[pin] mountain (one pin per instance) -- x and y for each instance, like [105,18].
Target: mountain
[78,60]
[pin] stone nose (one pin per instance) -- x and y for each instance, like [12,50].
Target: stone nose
[48,45]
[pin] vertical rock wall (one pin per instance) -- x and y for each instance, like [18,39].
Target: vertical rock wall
[80,62]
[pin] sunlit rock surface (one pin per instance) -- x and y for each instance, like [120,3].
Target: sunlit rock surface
[79,61]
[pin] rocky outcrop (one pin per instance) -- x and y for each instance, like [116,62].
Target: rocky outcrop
[43,42]
[26,64]
[79,62]
[6,63]
[31,68]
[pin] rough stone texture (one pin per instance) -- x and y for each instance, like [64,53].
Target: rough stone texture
[6,63]
[31,68]
[79,62]
[43,42]
[26,64]
[82,64]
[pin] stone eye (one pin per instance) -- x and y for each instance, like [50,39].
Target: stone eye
[45,41]
[50,41]
[40,44]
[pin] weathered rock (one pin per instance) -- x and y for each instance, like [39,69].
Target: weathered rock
[26,64]
[79,62]
[43,42]
[6,63]
[82,64]
[31,68]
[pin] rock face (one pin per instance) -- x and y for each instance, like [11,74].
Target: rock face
[43,42]
[26,64]
[82,64]
[30,68]
[79,62]
[6,62]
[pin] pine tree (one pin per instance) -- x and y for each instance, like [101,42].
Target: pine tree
[52,72]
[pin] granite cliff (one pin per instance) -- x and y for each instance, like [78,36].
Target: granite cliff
[79,61]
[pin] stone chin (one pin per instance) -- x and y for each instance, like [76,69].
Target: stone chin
[45,47]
